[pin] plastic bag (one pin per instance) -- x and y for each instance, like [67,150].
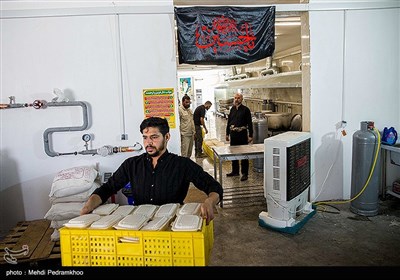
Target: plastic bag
[389,136]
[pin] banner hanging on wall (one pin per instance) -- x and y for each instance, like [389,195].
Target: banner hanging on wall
[225,35]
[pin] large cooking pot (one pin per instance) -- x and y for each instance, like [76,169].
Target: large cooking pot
[278,120]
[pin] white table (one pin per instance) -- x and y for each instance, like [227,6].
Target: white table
[229,153]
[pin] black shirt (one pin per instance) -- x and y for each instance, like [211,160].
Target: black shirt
[167,183]
[240,117]
[200,112]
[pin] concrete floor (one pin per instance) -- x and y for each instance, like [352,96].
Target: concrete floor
[333,237]
[334,241]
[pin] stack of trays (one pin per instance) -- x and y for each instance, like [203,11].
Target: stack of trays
[192,208]
[146,209]
[167,210]
[145,217]
[133,221]
[162,218]
[124,210]
[188,218]
[187,223]
[106,222]
[82,221]
[142,214]
[105,209]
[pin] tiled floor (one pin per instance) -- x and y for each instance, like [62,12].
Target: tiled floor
[236,192]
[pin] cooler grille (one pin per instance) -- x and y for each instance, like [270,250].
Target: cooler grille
[298,168]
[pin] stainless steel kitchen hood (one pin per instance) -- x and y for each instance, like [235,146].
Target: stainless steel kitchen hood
[281,80]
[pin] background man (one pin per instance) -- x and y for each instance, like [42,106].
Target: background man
[239,122]
[199,122]
[186,127]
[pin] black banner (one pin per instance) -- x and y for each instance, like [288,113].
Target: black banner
[225,35]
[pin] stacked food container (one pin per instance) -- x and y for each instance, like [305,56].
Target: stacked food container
[145,235]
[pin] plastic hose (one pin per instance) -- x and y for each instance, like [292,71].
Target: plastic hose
[366,183]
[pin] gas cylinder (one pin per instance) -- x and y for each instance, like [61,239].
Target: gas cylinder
[365,145]
[260,132]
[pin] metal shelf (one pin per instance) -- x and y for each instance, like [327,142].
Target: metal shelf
[389,191]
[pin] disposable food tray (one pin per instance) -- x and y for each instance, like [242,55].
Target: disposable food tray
[191,208]
[146,209]
[187,223]
[112,247]
[157,223]
[106,222]
[124,210]
[167,210]
[134,221]
[105,209]
[82,221]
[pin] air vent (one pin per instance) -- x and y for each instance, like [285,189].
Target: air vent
[275,161]
[275,173]
[276,185]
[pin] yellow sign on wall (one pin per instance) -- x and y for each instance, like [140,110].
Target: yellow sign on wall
[160,103]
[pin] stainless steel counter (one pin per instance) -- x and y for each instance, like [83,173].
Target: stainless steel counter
[228,153]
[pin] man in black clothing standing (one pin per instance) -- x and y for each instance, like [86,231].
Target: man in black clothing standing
[198,117]
[158,176]
[239,131]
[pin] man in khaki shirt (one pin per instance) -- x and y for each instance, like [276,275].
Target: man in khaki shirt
[186,127]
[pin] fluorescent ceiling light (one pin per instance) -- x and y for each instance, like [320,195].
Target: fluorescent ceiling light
[285,19]
[287,23]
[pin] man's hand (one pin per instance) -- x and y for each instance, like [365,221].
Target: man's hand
[207,207]
[93,202]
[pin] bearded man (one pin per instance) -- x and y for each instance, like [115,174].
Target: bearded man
[157,176]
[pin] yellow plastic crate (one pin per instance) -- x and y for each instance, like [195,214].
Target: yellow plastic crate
[95,247]
[208,150]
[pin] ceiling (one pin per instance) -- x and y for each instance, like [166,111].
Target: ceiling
[287,33]
[235,2]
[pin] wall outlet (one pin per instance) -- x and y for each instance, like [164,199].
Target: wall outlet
[106,176]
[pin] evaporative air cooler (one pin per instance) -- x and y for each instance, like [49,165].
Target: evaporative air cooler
[287,180]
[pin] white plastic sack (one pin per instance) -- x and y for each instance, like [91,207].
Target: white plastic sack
[72,181]
[64,211]
[79,197]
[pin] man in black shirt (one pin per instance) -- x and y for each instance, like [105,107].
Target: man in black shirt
[158,176]
[198,117]
[239,122]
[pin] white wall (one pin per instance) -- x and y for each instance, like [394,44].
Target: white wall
[80,55]
[205,80]
[354,77]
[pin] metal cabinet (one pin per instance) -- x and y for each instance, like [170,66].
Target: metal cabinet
[386,150]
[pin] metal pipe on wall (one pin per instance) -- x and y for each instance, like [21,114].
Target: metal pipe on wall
[103,151]
[46,134]
[42,104]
